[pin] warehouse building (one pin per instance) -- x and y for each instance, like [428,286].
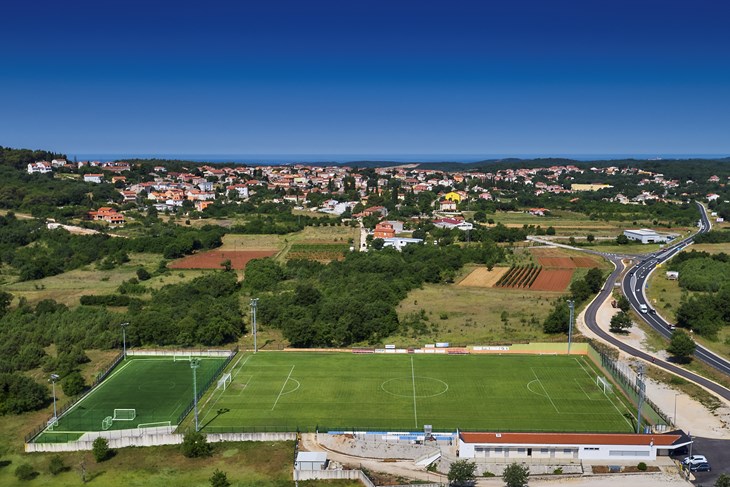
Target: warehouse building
[646,236]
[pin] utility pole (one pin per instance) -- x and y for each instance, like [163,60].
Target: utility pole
[194,364]
[254,304]
[571,306]
[642,390]
[124,339]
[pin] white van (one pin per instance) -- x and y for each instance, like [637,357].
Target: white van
[643,308]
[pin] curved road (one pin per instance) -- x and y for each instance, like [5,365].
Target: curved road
[634,283]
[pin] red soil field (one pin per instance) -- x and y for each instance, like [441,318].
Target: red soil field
[567,262]
[552,280]
[212,259]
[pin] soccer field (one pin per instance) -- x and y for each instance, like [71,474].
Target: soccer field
[335,391]
[158,388]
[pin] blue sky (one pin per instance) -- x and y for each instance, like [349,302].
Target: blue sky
[366,77]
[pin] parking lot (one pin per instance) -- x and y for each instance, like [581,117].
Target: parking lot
[718,456]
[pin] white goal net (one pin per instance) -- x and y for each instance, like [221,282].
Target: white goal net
[224,381]
[604,385]
[124,414]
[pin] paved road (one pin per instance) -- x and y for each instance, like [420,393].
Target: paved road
[634,286]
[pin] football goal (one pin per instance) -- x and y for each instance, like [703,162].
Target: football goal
[53,422]
[224,381]
[124,414]
[106,423]
[158,424]
[182,357]
[604,385]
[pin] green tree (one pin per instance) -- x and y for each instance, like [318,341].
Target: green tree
[681,346]
[100,449]
[5,300]
[195,444]
[73,384]
[557,320]
[378,243]
[142,274]
[623,304]
[219,479]
[550,231]
[590,238]
[622,239]
[516,475]
[723,480]
[594,279]
[462,472]
[620,322]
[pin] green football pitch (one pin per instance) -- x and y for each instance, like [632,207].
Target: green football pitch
[342,391]
[158,389]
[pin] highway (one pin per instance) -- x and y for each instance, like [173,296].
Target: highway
[634,284]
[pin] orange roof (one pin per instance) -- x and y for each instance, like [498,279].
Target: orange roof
[569,438]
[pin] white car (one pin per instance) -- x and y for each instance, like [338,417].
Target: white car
[694,460]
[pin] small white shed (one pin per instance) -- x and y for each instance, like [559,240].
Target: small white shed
[311,460]
[672,275]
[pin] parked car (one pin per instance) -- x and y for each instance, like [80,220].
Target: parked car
[694,460]
[700,467]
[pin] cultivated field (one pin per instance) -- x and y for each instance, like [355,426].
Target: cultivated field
[158,388]
[213,259]
[482,277]
[552,280]
[334,391]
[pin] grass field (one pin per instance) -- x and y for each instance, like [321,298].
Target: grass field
[286,390]
[158,388]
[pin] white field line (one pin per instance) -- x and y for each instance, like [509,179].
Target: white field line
[282,387]
[611,401]
[543,388]
[413,378]
[581,388]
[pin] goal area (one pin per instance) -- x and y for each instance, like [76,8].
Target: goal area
[604,385]
[224,381]
[124,414]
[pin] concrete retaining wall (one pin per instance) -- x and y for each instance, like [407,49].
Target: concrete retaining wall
[332,475]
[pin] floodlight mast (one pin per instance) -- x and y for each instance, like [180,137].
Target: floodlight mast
[194,364]
[571,306]
[124,339]
[642,391]
[254,304]
[53,379]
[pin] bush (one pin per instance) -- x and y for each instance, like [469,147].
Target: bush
[142,274]
[73,384]
[516,475]
[100,449]
[558,471]
[25,472]
[641,466]
[219,479]
[195,444]
[56,465]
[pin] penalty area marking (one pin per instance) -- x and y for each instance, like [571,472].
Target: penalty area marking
[295,389]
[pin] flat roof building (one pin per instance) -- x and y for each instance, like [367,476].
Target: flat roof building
[646,236]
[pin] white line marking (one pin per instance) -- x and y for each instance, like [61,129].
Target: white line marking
[413,378]
[282,387]
[611,401]
[581,388]
[543,388]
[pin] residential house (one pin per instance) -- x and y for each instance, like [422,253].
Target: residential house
[93,178]
[108,215]
[40,167]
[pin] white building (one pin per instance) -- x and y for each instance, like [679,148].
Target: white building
[93,178]
[41,167]
[399,242]
[569,446]
[648,236]
[311,460]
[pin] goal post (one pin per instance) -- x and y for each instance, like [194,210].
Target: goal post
[604,385]
[158,424]
[106,423]
[182,356]
[224,381]
[124,414]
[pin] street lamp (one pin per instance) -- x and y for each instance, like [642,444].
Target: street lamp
[194,364]
[124,338]
[53,379]
[571,305]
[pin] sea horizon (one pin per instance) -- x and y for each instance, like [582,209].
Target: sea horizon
[274,159]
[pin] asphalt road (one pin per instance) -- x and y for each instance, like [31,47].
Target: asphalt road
[718,456]
[634,286]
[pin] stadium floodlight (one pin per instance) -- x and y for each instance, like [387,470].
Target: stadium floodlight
[254,304]
[571,306]
[53,379]
[124,338]
[641,386]
[194,364]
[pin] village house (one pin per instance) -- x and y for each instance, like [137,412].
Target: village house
[93,178]
[40,167]
[108,215]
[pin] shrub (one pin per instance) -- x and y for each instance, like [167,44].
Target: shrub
[558,471]
[143,275]
[219,479]
[56,465]
[195,444]
[641,466]
[100,449]
[25,472]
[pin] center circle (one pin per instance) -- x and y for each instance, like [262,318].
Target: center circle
[414,387]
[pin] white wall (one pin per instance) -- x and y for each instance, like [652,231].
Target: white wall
[584,452]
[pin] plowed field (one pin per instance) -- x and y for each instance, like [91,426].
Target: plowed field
[213,259]
[552,280]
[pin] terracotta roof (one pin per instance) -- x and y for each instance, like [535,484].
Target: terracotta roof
[569,438]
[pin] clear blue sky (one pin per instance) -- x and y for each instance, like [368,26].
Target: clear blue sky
[366,76]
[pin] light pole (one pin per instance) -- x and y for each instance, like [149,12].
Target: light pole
[571,306]
[675,409]
[254,304]
[124,338]
[194,364]
[53,379]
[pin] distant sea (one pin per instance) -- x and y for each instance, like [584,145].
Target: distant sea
[402,158]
